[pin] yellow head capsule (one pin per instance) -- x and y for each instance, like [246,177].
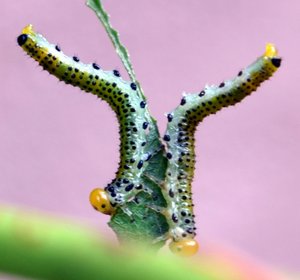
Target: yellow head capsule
[184,247]
[100,201]
[270,50]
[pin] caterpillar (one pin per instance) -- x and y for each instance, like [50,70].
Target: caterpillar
[136,126]
[180,140]
[141,149]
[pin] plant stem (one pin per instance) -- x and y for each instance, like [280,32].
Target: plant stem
[42,247]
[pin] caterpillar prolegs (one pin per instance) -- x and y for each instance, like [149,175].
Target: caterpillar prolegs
[139,134]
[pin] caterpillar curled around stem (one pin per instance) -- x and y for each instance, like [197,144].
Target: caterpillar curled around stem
[180,139]
[123,97]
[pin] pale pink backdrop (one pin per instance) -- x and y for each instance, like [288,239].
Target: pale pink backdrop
[57,143]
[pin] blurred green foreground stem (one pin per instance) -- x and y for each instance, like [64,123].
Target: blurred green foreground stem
[44,248]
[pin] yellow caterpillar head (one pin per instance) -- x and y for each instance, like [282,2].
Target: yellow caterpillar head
[184,247]
[100,201]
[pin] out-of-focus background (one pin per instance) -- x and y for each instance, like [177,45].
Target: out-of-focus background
[57,143]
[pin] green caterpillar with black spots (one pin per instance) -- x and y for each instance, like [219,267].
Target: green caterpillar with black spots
[136,124]
[130,108]
[180,139]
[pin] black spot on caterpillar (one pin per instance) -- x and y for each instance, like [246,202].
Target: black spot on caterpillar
[180,140]
[130,108]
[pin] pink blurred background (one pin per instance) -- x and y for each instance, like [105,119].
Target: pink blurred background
[57,143]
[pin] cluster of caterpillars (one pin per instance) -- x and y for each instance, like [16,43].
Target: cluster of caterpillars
[136,123]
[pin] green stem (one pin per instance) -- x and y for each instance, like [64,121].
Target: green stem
[45,248]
